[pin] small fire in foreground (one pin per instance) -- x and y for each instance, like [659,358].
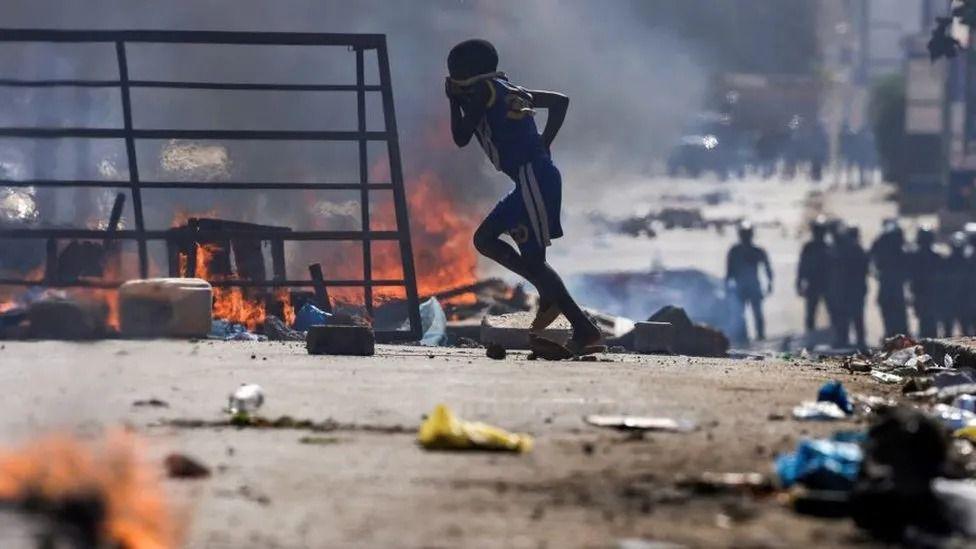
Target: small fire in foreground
[99,494]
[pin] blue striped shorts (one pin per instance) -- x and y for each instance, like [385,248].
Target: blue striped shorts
[530,212]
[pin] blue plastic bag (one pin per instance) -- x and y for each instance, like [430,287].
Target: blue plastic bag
[821,464]
[434,323]
[833,391]
[310,315]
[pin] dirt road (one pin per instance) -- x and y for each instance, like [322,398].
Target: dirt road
[367,484]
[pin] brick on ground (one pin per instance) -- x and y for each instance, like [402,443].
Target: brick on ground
[654,337]
[511,331]
[340,340]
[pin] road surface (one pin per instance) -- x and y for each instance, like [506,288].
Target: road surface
[368,484]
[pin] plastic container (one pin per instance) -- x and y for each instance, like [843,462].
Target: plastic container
[165,307]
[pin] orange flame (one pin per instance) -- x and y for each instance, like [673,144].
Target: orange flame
[60,466]
[444,256]
[231,304]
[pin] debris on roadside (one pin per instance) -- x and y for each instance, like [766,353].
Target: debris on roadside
[433,323]
[833,391]
[67,319]
[671,330]
[165,307]
[832,403]
[821,464]
[885,377]
[319,441]
[818,411]
[641,423]
[151,402]
[309,315]
[442,430]
[245,400]
[340,340]
[276,330]
[495,351]
[512,331]
[905,451]
[185,467]
[715,483]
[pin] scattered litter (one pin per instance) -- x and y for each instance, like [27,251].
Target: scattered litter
[818,411]
[966,433]
[246,336]
[152,402]
[904,452]
[897,342]
[965,402]
[713,483]
[277,330]
[309,315]
[951,379]
[495,351]
[246,399]
[902,357]
[320,441]
[870,403]
[637,543]
[442,430]
[183,466]
[854,364]
[953,418]
[434,323]
[958,498]
[885,377]
[833,391]
[949,393]
[821,464]
[640,423]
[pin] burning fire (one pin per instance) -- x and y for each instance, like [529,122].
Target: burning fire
[231,304]
[52,473]
[444,257]
[443,253]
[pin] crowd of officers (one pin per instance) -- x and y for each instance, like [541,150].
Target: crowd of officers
[833,273]
[941,288]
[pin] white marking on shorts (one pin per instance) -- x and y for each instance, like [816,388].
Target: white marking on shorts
[543,214]
[529,205]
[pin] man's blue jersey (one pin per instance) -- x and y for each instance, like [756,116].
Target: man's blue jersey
[507,132]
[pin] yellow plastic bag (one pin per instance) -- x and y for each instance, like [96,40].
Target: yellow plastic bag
[444,431]
[967,433]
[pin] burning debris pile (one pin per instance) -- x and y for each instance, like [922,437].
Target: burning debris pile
[211,260]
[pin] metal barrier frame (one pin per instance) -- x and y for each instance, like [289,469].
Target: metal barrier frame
[357,42]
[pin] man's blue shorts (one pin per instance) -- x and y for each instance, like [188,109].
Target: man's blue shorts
[530,212]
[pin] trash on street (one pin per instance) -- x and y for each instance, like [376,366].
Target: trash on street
[442,430]
[639,423]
